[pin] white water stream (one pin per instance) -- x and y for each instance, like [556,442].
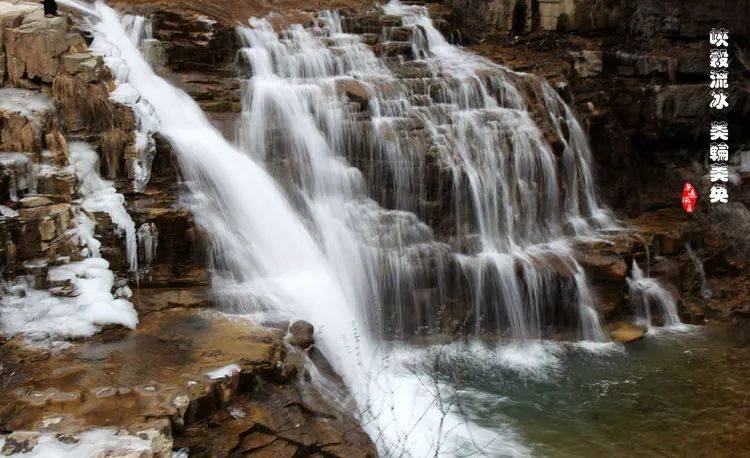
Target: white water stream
[647,294]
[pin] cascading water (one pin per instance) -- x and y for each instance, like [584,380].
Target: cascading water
[647,294]
[324,248]
[266,257]
[503,172]
[296,120]
[698,264]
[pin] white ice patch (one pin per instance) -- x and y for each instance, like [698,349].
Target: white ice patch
[16,166]
[100,196]
[39,315]
[26,103]
[96,442]
[8,212]
[125,94]
[226,371]
[148,242]
[85,231]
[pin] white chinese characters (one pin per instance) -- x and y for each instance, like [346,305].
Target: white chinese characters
[719,131]
[718,151]
[719,79]
[718,194]
[719,37]
[719,100]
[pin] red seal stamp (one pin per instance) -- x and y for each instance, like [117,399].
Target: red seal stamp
[689,197]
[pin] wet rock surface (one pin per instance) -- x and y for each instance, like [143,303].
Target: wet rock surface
[301,334]
[212,383]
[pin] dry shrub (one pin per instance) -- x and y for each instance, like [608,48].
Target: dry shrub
[90,100]
[113,145]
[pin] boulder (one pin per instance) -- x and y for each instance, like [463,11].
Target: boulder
[356,91]
[609,298]
[480,19]
[43,231]
[684,103]
[148,300]
[603,266]
[668,270]
[629,64]
[624,332]
[34,201]
[172,402]
[60,181]
[11,15]
[587,63]
[301,334]
[395,49]
[83,63]
[191,41]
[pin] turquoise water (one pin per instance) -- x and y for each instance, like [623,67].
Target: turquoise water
[672,394]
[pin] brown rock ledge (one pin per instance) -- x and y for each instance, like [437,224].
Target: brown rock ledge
[156,378]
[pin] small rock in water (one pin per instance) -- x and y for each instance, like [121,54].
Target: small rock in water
[301,334]
[626,332]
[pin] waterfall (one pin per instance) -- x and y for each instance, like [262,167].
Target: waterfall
[705,288]
[322,209]
[257,237]
[299,118]
[267,257]
[647,294]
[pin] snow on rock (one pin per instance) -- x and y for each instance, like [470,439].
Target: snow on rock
[26,103]
[8,212]
[95,442]
[40,315]
[100,196]
[16,167]
[226,371]
[82,301]
[125,94]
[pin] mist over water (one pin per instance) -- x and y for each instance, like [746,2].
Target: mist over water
[296,229]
